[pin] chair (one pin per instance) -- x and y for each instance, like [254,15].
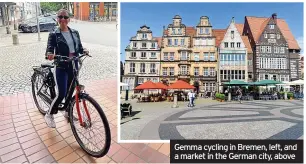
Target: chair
[126,108]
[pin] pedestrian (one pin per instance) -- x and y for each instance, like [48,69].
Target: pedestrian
[190,98]
[63,41]
[239,92]
[193,98]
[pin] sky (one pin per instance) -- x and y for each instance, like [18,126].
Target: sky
[157,15]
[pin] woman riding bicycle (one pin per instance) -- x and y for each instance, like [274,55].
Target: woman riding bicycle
[63,41]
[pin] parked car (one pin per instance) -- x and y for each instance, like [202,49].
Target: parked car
[45,24]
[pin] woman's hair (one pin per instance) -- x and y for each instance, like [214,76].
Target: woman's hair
[63,10]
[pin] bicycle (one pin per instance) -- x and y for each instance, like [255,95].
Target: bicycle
[82,118]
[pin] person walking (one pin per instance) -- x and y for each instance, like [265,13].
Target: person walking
[193,98]
[190,95]
[63,41]
[239,92]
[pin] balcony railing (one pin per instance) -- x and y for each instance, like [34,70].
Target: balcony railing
[184,73]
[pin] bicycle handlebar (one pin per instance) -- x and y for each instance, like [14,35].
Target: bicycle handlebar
[67,59]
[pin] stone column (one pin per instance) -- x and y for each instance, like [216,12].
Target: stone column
[175,101]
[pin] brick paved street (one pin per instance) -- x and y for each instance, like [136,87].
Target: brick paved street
[17,61]
[214,120]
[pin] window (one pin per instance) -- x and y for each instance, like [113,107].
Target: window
[171,71]
[232,44]
[142,67]
[266,35]
[271,26]
[205,56]
[262,48]
[205,71]
[133,54]
[282,50]
[135,44]
[250,62]
[196,57]
[272,36]
[148,79]
[175,42]
[232,34]
[143,54]
[169,42]
[155,80]
[238,44]
[268,49]
[183,70]
[144,36]
[201,30]
[182,42]
[225,44]
[212,57]
[166,56]
[152,68]
[278,36]
[276,49]
[212,71]
[171,56]
[153,54]
[179,31]
[183,55]
[132,67]
[140,80]
[196,71]
[206,30]
[153,45]
[165,71]
[144,45]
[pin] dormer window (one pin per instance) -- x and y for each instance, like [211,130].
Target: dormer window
[201,30]
[179,31]
[144,36]
[271,26]
[232,34]
[207,31]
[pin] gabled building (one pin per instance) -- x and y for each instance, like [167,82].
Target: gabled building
[233,55]
[176,52]
[276,52]
[142,62]
[204,57]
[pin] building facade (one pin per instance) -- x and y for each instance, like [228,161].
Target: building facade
[204,57]
[233,56]
[93,10]
[176,52]
[142,62]
[275,48]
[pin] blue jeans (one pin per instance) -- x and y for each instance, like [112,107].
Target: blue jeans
[63,78]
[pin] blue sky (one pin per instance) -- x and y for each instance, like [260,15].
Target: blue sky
[157,15]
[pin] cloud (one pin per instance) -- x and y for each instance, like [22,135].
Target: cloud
[300,41]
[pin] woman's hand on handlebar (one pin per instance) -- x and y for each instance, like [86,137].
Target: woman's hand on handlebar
[50,56]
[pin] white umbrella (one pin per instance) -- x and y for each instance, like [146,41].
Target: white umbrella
[123,84]
[298,82]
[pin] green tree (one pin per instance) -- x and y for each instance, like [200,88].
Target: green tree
[53,6]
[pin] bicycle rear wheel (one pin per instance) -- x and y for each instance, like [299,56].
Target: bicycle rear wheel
[38,84]
[90,138]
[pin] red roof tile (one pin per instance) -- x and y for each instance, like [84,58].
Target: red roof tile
[257,25]
[219,34]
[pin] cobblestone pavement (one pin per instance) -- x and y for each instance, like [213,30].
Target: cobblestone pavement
[214,120]
[17,61]
[25,137]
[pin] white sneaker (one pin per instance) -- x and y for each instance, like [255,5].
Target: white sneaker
[50,120]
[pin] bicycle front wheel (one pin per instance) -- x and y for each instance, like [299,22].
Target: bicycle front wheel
[95,137]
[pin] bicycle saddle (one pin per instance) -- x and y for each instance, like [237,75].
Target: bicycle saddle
[47,66]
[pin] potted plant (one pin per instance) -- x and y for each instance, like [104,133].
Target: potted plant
[222,97]
[290,95]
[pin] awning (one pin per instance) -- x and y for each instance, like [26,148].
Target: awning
[180,84]
[161,85]
[235,82]
[147,85]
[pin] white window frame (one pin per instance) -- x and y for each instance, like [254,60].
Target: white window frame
[196,71]
[142,68]
[169,42]
[278,36]
[153,56]
[271,26]
[232,44]
[263,49]
[184,70]
[143,45]
[143,55]
[144,36]
[133,56]
[184,55]
[176,42]
[153,45]
[282,50]
[232,34]
[238,44]
[166,57]
[212,56]
[132,67]
[205,71]
[152,67]
[196,57]
[272,36]
[225,44]
[171,56]
[212,71]
[182,42]
[171,71]
[165,71]
[269,49]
